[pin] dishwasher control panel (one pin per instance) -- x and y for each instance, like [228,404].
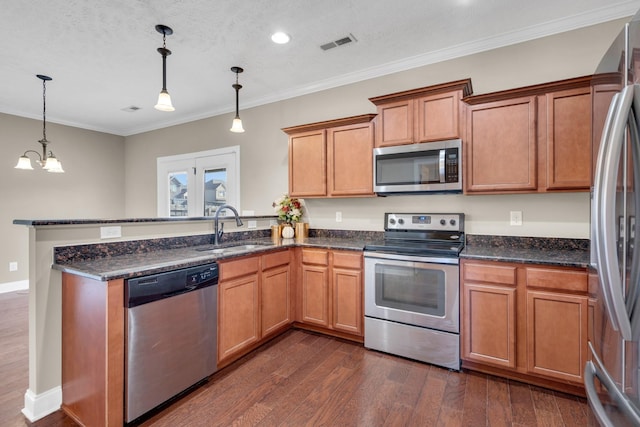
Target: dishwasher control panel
[202,274]
[146,289]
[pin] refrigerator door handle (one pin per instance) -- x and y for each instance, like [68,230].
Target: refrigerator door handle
[592,370]
[608,263]
[596,211]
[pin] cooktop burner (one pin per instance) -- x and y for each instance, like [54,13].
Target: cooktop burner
[421,234]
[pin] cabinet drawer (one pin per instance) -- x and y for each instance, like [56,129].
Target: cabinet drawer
[237,268]
[562,280]
[275,259]
[312,256]
[351,260]
[504,275]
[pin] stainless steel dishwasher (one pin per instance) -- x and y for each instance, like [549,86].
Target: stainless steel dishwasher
[171,341]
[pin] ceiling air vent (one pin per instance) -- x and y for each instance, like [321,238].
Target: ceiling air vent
[341,41]
[131,109]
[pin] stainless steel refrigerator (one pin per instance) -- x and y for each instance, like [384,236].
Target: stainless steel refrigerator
[612,374]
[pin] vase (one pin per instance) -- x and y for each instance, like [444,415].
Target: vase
[287,232]
[301,230]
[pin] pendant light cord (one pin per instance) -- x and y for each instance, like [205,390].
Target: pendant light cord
[44,110]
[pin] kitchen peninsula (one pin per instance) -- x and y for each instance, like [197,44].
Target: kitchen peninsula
[156,244]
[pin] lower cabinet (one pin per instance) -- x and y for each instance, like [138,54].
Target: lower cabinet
[254,301]
[525,321]
[330,297]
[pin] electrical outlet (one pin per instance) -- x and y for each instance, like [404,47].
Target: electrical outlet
[110,232]
[338,216]
[13,266]
[516,217]
[252,224]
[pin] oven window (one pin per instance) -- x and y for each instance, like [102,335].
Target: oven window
[416,290]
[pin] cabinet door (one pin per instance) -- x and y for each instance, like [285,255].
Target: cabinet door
[502,146]
[307,164]
[395,123]
[347,301]
[557,335]
[436,117]
[569,139]
[238,320]
[489,324]
[350,160]
[315,294]
[275,299]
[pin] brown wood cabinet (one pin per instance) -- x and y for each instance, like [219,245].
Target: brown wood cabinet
[332,158]
[93,350]
[254,302]
[330,297]
[488,320]
[502,146]
[419,115]
[525,321]
[532,139]
[275,302]
[346,286]
[238,306]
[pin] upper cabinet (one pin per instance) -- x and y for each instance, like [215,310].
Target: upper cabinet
[531,139]
[427,114]
[321,158]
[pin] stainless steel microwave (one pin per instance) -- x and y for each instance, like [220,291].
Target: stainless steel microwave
[418,168]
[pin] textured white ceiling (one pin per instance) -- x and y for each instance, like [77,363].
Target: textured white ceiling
[102,54]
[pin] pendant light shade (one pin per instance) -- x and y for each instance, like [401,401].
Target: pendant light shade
[236,126]
[164,100]
[47,160]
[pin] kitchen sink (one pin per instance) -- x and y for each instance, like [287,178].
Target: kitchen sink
[230,249]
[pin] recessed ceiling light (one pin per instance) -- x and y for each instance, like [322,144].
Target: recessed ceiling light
[280,37]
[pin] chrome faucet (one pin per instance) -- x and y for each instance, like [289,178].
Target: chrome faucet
[217,235]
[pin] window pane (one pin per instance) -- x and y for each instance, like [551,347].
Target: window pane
[178,194]
[215,190]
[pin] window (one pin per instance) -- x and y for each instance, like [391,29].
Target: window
[195,184]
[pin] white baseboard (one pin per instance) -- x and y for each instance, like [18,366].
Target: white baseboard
[43,404]
[20,285]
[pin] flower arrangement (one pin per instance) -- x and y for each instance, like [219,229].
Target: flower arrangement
[288,209]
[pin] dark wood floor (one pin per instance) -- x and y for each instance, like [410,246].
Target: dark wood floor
[302,378]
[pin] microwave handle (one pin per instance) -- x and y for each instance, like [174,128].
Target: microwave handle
[441,163]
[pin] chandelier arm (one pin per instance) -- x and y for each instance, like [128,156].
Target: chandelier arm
[34,152]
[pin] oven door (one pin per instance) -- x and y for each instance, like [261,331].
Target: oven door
[414,290]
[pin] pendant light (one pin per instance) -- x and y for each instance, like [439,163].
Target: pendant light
[164,100]
[47,160]
[237,123]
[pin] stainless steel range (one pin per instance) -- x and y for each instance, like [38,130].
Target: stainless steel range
[411,288]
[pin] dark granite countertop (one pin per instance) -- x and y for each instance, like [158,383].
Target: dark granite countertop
[157,261]
[548,251]
[138,258]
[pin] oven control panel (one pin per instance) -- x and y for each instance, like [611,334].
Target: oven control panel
[422,221]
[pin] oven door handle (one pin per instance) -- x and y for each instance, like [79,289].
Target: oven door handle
[412,258]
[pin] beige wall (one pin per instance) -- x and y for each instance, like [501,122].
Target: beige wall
[92,187]
[264,146]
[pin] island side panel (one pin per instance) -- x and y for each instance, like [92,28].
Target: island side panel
[93,350]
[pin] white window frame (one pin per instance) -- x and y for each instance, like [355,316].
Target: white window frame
[195,164]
